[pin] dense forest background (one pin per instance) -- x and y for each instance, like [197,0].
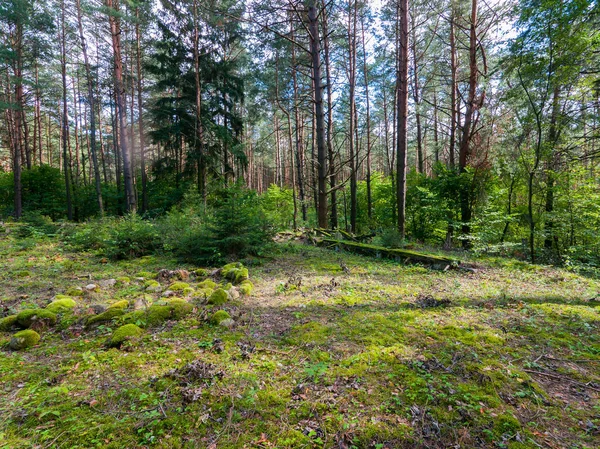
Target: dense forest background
[448,122]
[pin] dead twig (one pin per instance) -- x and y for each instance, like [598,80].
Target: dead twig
[563,378]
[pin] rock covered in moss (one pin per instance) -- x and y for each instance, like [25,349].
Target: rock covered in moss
[8,322]
[188,291]
[145,275]
[24,339]
[201,272]
[123,334]
[202,293]
[246,287]
[27,317]
[74,291]
[218,316]
[235,272]
[108,315]
[123,280]
[173,309]
[207,283]
[218,297]
[178,286]
[152,285]
[122,304]
[61,305]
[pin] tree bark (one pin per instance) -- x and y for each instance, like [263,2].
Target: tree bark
[402,115]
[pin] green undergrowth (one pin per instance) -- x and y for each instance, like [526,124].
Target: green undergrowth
[328,349]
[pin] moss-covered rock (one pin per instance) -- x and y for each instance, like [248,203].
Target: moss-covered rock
[207,283]
[27,317]
[188,291]
[202,293]
[122,304]
[201,272]
[24,339]
[123,334]
[218,297]
[61,305]
[123,280]
[145,275]
[178,286]
[235,272]
[219,316]
[74,291]
[179,308]
[151,285]
[8,322]
[173,309]
[108,315]
[246,288]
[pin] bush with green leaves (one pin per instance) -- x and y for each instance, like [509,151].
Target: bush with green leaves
[235,227]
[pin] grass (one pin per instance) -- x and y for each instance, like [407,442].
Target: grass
[318,357]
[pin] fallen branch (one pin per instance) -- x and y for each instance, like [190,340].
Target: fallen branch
[563,378]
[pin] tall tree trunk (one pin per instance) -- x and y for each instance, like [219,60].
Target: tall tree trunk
[330,151]
[313,22]
[115,28]
[402,115]
[453,88]
[65,112]
[201,163]
[92,101]
[352,142]
[551,166]
[368,112]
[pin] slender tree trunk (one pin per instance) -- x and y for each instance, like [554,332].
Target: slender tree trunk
[368,112]
[402,114]
[330,151]
[115,28]
[318,98]
[65,112]
[551,165]
[453,88]
[352,143]
[92,101]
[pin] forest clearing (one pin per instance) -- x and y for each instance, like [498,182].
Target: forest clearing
[330,349]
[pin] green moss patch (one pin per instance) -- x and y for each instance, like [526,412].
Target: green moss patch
[207,283]
[108,315]
[24,339]
[27,317]
[61,305]
[178,286]
[218,297]
[246,287]
[219,316]
[123,334]
[235,272]
[7,323]
[122,304]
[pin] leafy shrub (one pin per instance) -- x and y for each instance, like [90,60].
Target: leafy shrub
[234,228]
[34,224]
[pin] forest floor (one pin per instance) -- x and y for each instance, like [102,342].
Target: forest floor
[365,353]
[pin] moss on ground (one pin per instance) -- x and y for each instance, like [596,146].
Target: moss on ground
[108,315]
[123,334]
[360,359]
[218,297]
[26,318]
[24,339]
[61,305]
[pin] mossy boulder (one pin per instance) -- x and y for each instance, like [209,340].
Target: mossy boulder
[246,287]
[24,339]
[178,286]
[152,285]
[108,315]
[202,293]
[207,283]
[188,291]
[145,275]
[201,272]
[123,280]
[156,314]
[219,316]
[235,272]
[74,291]
[123,334]
[27,317]
[218,297]
[7,323]
[61,305]
[122,304]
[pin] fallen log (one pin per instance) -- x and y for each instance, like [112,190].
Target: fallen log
[403,255]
